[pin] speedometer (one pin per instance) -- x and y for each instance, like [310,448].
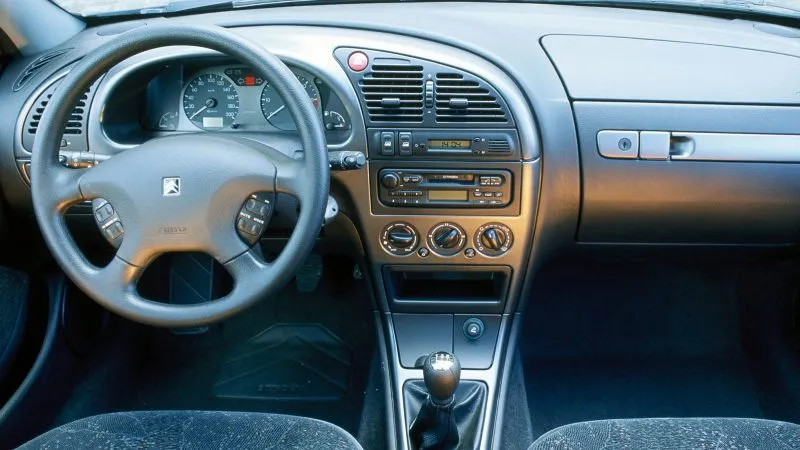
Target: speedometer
[211,102]
[274,108]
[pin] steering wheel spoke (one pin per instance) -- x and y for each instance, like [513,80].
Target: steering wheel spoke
[247,268]
[66,188]
[119,275]
[292,178]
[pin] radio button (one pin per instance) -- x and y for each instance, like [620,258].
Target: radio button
[478,194]
[485,181]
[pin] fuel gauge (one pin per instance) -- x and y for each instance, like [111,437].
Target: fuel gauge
[168,122]
[335,121]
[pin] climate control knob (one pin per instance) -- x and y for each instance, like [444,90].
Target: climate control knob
[446,239]
[493,239]
[399,238]
[390,180]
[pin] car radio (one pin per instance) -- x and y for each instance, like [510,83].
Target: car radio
[495,144]
[446,188]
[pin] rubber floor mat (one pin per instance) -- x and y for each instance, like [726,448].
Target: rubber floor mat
[287,362]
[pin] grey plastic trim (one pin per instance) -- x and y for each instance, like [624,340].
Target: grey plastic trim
[491,377]
[606,68]
[735,147]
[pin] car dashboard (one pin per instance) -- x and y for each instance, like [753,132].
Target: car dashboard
[490,141]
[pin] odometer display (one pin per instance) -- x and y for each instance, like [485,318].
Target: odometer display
[211,102]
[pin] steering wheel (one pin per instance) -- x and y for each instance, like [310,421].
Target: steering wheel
[216,174]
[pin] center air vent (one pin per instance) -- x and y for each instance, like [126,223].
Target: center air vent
[393,92]
[462,100]
[35,67]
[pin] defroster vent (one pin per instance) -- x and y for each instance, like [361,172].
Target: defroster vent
[460,100]
[393,92]
[35,67]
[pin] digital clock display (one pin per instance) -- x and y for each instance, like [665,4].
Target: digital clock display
[457,196]
[449,144]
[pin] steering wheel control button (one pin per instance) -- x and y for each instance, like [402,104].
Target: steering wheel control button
[107,220]
[357,61]
[253,217]
[473,328]
[257,207]
[103,213]
[493,239]
[446,239]
[618,144]
[399,238]
[114,231]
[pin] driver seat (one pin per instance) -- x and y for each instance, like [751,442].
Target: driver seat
[195,430]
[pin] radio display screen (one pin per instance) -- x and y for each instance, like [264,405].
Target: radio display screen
[452,196]
[449,144]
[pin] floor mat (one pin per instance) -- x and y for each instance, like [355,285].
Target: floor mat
[625,340]
[287,362]
[300,353]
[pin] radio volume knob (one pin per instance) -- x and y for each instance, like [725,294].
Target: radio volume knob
[390,180]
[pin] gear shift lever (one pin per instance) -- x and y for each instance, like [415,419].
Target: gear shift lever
[435,425]
[441,373]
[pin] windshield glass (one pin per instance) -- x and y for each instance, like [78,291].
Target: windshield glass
[86,8]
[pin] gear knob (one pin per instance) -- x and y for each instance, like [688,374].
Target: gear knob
[441,372]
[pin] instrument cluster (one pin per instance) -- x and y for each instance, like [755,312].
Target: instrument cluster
[186,97]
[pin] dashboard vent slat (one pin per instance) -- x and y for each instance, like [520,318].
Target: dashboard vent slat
[35,67]
[76,123]
[393,93]
[460,100]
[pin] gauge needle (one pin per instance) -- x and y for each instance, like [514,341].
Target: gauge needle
[198,112]
[276,112]
[210,103]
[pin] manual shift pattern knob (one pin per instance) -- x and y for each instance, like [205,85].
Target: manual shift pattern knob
[441,373]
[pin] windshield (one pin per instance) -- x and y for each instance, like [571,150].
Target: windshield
[87,8]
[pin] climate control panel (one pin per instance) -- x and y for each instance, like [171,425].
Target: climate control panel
[447,239]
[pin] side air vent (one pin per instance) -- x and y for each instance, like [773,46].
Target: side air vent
[75,124]
[465,101]
[74,137]
[35,67]
[393,92]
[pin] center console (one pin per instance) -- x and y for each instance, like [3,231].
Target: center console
[453,184]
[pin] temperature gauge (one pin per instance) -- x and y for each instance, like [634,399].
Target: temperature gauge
[169,121]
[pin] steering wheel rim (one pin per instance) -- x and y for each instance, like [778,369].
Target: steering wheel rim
[256,167]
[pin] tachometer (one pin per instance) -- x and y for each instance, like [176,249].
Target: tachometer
[211,102]
[275,110]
